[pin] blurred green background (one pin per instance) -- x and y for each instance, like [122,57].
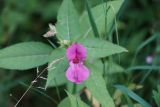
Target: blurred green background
[27,20]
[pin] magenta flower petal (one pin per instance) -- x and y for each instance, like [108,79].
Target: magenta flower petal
[77,73]
[76,53]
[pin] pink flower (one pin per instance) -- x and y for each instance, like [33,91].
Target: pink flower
[77,71]
[76,52]
[149,59]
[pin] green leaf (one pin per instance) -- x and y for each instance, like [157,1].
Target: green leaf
[131,94]
[68,27]
[91,19]
[65,103]
[113,67]
[98,48]
[76,101]
[156,96]
[97,87]
[24,55]
[99,16]
[56,76]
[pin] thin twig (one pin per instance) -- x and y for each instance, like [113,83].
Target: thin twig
[38,76]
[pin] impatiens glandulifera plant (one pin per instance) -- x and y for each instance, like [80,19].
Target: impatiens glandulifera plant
[78,59]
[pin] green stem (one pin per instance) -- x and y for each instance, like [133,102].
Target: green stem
[74,89]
